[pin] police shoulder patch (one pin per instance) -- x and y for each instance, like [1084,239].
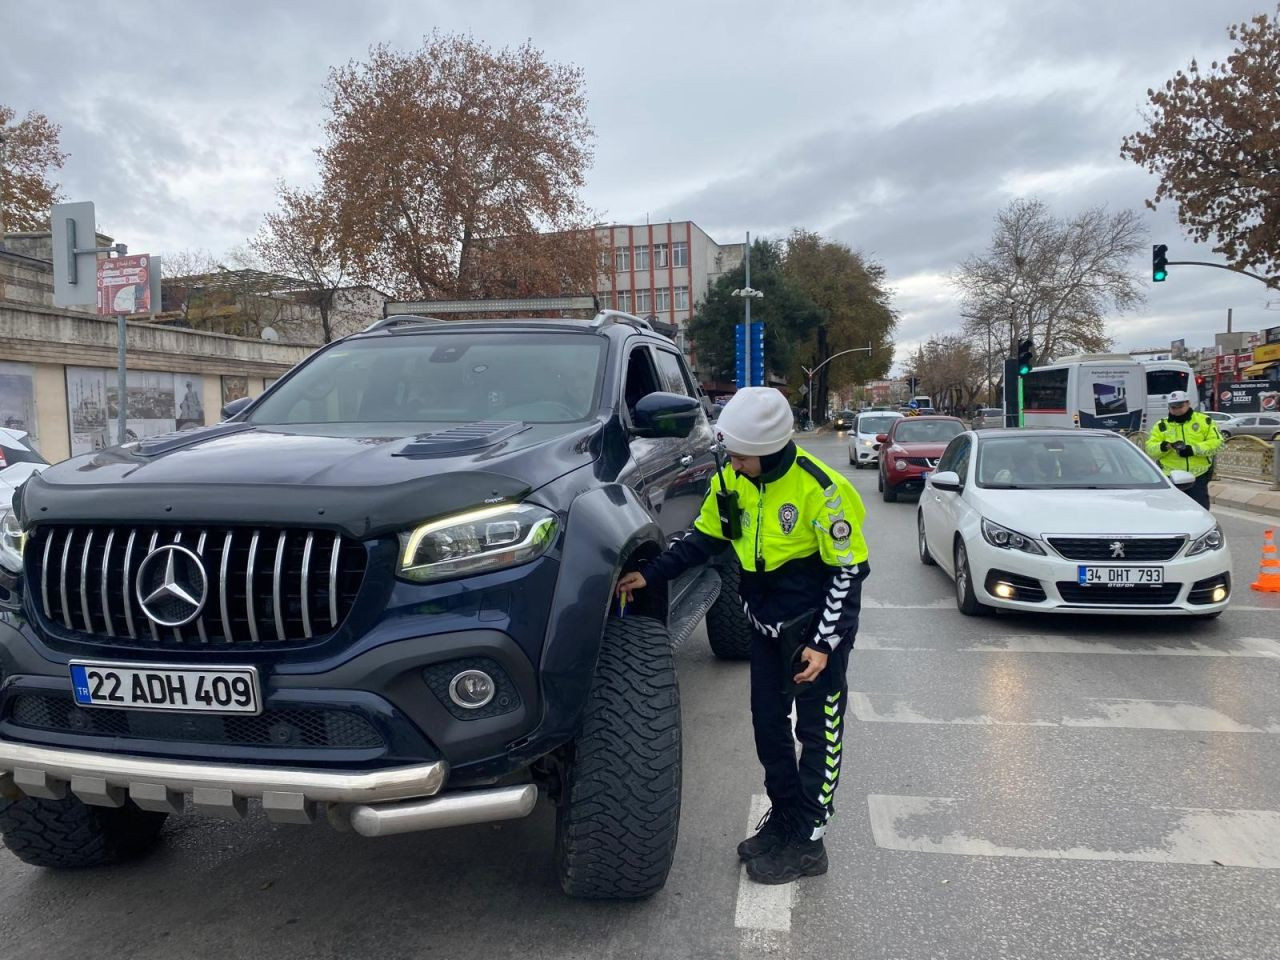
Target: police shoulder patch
[841,530]
[1196,426]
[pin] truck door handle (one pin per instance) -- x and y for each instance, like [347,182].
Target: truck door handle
[686,459]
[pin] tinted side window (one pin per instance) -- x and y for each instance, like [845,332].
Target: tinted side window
[956,456]
[670,373]
[641,379]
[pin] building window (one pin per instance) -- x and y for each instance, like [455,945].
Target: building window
[642,301]
[622,258]
[606,299]
[604,259]
[624,300]
[662,299]
[659,255]
[682,298]
[680,254]
[642,257]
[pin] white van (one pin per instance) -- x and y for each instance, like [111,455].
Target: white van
[1102,390]
[1164,377]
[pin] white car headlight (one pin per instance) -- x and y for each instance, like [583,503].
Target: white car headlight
[12,540]
[1007,539]
[477,541]
[1213,540]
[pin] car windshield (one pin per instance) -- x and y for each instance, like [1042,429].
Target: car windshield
[927,431]
[875,424]
[458,378]
[1056,462]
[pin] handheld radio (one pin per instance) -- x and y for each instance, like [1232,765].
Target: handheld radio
[727,503]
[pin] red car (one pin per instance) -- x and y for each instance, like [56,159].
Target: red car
[909,452]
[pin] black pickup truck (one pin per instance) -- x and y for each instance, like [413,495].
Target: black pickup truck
[381,593]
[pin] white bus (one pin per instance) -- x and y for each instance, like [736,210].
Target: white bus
[1106,390]
[1164,377]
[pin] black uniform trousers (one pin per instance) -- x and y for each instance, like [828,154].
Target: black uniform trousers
[1199,491]
[802,792]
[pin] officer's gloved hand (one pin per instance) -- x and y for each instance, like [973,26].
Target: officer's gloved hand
[1164,446]
[1183,450]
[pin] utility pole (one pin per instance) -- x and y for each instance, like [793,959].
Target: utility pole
[4,182]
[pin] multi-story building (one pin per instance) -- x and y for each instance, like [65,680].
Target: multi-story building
[664,269]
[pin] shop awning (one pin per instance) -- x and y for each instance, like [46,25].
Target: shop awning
[1258,369]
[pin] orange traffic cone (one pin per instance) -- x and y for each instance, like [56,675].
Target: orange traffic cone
[1269,573]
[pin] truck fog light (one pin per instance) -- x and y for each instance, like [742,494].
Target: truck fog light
[1005,591]
[471,689]
[1219,594]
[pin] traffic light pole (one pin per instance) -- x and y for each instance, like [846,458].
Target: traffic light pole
[1273,282]
[810,372]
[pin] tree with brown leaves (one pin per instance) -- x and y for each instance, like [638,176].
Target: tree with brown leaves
[28,154]
[443,166]
[1213,138]
[300,240]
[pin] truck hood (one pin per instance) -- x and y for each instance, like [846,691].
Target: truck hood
[355,481]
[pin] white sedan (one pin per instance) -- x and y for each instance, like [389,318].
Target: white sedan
[864,449]
[1070,521]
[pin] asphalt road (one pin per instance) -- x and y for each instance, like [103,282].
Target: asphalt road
[1013,787]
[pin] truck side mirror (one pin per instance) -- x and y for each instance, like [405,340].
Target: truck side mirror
[236,407]
[659,415]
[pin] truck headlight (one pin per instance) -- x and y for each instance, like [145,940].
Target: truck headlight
[1213,540]
[1007,539]
[12,539]
[477,541]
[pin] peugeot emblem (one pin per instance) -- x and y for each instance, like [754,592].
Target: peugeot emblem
[1117,550]
[172,586]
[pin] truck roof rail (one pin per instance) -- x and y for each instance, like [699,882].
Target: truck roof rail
[487,306]
[619,316]
[400,320]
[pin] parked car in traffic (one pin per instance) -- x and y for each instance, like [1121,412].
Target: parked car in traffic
[864,448]
[1217,416]
[1266,426]
[909,452]
[988,417]
[1069,520]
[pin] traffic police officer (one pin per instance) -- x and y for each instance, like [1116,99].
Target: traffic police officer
[1186,440]
[795,525]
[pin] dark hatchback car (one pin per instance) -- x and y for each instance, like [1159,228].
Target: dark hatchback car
[844,420]
[909,452]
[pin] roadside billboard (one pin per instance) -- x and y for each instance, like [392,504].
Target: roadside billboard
[124,285]
[1244,396]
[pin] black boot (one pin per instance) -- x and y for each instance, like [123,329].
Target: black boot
[771,833]
[797,857]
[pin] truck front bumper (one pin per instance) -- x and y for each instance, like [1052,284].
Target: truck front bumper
[374,803]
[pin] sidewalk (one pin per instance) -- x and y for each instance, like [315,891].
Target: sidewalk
[1242,495]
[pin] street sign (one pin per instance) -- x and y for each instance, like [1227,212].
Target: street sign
[757,353]
[74,228]
[740,372]
[124,285]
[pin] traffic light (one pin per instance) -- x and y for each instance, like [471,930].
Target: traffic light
[1159,262]
[1025,350]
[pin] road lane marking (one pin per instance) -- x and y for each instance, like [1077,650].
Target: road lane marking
[1184,835]
[762,906]
[1100,712]
[1262,647]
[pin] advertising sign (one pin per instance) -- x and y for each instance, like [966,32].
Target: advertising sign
[1266,354]
[1226,364]
[1243,396]
[1270,402]
[1272,334]
[124,285]
[1244,360]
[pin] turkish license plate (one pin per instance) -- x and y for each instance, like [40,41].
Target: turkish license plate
[140,686]
[1119,576]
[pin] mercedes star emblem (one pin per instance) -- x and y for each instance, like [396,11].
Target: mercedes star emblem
[172,586]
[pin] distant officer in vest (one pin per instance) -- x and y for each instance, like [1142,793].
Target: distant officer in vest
[1186,440]
[795,525]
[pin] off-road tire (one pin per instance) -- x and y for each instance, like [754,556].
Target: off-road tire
[728,628]
[70,833]
[620,810]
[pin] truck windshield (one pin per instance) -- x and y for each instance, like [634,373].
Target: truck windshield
[442,378]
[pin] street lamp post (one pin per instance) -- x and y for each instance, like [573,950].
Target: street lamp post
[747,295]
[810,372]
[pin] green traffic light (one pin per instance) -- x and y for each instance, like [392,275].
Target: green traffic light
[1159,275]
[1023,371]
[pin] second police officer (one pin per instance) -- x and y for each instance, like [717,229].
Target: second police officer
[1186,440]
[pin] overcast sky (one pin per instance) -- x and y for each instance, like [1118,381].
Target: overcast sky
[899,128]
